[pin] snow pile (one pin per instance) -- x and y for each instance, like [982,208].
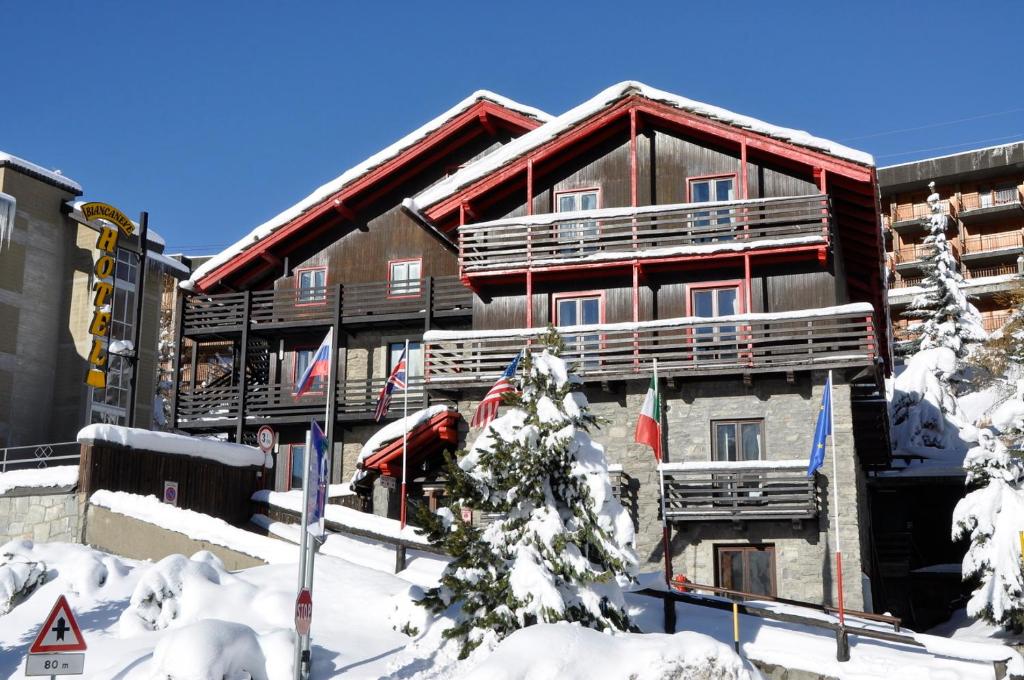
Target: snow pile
[352,174]
[195,525]
[57,476]
[156,602]
[236,455]
[992,517]
[585,654]
[393,431]
[18,578]
[211,650]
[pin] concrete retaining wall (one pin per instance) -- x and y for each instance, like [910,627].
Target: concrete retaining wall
[52,514]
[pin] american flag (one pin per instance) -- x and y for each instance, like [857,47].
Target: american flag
[487,410]
[395,380]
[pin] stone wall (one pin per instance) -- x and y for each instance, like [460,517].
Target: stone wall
[40,516]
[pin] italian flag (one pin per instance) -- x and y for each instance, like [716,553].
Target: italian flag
[648,425]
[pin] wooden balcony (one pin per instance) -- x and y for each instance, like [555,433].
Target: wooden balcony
[914,254]
[741,491]
[993,321]
[748,343]
[219,315]
[981,206]
[220,407]
[1009,243]
[906,216]
[661,232]
[995,270]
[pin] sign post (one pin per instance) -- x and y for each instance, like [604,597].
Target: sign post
[52,652]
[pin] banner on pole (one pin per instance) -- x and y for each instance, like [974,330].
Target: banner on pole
[316,494]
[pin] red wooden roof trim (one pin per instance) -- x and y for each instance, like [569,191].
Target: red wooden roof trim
[439,430]
[510,119]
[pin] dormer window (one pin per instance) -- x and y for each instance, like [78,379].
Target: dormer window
[404,278]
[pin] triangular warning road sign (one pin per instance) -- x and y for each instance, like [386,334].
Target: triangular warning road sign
[60,633]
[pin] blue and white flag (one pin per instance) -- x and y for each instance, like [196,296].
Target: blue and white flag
[822,430]
[316,494]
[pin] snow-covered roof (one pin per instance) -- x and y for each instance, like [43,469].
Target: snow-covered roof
[951,155]
[227,453]
[603,99]
[52,176]
[355,172]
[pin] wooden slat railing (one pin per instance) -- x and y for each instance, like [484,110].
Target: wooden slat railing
[919,251]
[981,243]
[990,199]
[833,337]
[650,231]
[739,491]
[917,211]
[206,315]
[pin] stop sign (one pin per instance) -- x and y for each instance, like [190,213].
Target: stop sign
[303,611]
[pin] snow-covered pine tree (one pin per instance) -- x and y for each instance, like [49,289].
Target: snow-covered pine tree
[992,517]
[561,543]
[947,318]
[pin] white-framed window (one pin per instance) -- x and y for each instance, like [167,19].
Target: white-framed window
[302,359]
[8,209]
[576,311]
[577,233]
[713,302]
[713,190]
[110,405]
[737,440]
[404,278]
[311,285]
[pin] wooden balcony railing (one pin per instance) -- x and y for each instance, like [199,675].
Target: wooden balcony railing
[907,281]
[218,314]
[909,212]
[220,406]
[746,343]
[742,491]
[990,199]
[981,243]
[645,232]
[995,321]
[995,270]
[918,252]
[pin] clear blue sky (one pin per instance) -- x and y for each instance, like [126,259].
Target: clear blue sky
[214,116]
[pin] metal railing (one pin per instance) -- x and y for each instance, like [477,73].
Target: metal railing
[649,231]
[39,456]
[995,270]
[811,339]
[919,251]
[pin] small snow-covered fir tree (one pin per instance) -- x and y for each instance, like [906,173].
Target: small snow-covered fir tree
[992,517]
[946,318]
[561,542]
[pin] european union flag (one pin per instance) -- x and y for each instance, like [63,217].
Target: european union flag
[822,429]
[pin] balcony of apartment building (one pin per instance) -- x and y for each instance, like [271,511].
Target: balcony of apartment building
[993,320]
[242,325]
[739,491]
[601,240]
[912,218]
[982,206]
[909,257]
[993,247]
[742,344]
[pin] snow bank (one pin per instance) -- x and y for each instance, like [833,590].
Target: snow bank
[352,174]
[236,455]
[585,654]
[210,650]
[393,431]
[60,475]
[347,517]
[555,127]
[195,525]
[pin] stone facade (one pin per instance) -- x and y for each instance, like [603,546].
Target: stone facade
[39,516]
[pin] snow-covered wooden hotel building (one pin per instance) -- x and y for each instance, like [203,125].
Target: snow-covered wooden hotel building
[746,258]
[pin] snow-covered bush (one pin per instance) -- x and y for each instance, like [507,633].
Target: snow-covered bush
[210,650]
[944,315]
[561,542]
[992,517]
[155,604]
[18,578]
[925,415]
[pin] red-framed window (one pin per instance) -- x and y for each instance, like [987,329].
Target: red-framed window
[747,568]
[579,236]
[302,358]
[580,309]
[296,459]
[404,277]
[714,299]
[311,286]
[712,189]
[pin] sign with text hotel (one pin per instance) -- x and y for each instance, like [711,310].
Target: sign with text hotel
[103,287]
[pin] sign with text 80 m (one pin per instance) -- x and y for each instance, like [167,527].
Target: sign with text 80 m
[55,664]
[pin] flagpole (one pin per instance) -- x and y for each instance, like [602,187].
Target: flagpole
[835,498]
[303,642]
[405,427]
[665,537]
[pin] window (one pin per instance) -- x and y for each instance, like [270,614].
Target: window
[737,440]
[712,302]
[577,233]
[110,405]
[312,286]
[747,568]
[404,278]
[713,189]
[302,359]
[296,465]
[579,310]
[8,207]
[414,366]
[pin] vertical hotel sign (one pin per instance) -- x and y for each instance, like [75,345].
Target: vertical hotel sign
[106,246]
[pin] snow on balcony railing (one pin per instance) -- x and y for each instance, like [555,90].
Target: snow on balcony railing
[611,234]
[798,340]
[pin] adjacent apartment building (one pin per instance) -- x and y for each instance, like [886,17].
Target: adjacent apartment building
[745,257]
[982,192]
[48,259]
